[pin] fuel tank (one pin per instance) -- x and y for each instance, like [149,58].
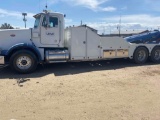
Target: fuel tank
[56,55]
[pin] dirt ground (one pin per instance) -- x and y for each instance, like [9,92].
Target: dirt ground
[104,90]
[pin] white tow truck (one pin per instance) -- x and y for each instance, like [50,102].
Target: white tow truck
[50,42]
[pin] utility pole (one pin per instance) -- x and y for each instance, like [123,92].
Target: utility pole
[110,28]
[81,22]
[120,26]
[104,30]
[24,19]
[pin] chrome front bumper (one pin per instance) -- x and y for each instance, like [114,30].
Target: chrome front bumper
[2,60]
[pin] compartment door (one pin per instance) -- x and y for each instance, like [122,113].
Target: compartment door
[93,45]
[78,44]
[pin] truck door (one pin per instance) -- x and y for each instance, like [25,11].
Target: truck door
[50,31]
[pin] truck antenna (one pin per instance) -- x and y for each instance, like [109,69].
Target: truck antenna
[39,5]
[46,5]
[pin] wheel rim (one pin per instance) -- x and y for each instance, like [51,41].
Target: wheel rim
[141,55]
[157,55]
[24,62]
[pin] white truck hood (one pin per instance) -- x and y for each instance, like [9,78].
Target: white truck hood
[8,38]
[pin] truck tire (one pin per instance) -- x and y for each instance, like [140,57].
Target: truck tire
[140,55]
[155,55]
[23,61]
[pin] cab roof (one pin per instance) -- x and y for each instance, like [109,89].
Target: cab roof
[43,13]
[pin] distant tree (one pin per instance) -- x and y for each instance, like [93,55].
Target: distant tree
[6,26]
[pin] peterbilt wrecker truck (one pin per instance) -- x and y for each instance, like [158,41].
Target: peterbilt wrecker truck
[50,42]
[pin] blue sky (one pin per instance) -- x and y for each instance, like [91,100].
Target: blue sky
[103,15]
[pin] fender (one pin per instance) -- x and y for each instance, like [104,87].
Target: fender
[20,46]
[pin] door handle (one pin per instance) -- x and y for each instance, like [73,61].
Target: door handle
[84,42]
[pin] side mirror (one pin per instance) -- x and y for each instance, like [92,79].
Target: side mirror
[48,26]
[64,15]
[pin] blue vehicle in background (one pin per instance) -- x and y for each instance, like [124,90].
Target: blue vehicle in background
[145,38]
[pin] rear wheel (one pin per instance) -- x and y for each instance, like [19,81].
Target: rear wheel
[23,61]
[155,55]
[140,55]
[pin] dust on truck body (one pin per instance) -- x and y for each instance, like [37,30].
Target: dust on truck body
[49,42]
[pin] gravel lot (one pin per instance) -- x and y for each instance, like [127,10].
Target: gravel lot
[103,90]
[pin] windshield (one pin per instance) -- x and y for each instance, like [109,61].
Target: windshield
[37,21]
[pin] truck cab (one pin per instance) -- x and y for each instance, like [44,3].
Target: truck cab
[23,49]
[48,30]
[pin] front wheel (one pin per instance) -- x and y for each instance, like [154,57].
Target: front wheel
[140,55]
[23,61]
